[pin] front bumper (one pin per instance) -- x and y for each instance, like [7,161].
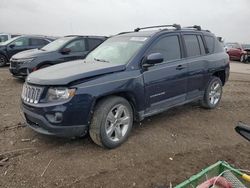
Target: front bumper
[18,72]
[41,125]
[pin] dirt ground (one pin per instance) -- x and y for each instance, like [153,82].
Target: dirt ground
[169,147]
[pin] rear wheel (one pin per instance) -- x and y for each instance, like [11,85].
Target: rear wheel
[3,60]
[213,93]
[243,58]
[112,122]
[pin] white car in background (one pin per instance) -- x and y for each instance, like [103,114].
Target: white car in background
[5,36]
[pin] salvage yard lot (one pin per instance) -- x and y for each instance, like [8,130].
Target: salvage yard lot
[165,148]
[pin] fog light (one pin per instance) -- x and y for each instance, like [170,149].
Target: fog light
[57,117]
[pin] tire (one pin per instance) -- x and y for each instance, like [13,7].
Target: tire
[110,132]
[243,58]
[213,93]
[3,60]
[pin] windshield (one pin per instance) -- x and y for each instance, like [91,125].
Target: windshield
[118,50]
[57,44]
[246,46]
[9,41]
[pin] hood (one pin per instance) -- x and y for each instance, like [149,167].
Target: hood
[64,73]
[30,54]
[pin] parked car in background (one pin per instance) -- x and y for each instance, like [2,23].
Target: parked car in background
[125,79]
[236,52]
[63,49]
[246,48]
[5,36]
[18,44]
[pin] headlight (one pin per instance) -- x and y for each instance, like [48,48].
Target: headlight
[59,94]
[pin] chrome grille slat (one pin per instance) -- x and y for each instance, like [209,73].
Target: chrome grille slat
[31,94]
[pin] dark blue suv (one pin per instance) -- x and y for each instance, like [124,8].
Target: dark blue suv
[130,76]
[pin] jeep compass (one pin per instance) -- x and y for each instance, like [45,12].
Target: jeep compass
[128,77]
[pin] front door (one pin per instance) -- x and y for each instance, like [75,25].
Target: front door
[166,83]
[18,45]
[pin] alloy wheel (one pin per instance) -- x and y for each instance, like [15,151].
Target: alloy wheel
[117,122]
[215,93]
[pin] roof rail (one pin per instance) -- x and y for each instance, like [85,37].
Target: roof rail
[125,32]
[197,27]
[176,26]
[87,36]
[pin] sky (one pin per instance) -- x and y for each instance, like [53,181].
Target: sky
[226,18]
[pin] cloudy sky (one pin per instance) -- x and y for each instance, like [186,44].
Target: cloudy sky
[227,18]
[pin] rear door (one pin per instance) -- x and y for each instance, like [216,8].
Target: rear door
[197,65]
[166,83]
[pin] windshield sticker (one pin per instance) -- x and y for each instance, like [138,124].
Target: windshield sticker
[140,39]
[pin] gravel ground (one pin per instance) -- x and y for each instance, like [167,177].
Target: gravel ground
[169,147]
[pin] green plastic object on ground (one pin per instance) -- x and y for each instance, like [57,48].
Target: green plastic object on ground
[234,176]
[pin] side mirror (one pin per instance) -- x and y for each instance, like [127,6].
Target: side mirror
[12,45]
[243,130]
[153,59]
[65,51]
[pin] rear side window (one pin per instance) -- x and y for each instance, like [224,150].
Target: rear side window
[210,43]
[192,45]
[169,47]
[38,42]
[94,43]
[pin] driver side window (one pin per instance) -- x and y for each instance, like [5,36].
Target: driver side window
[21,42]
[77,46]
[169,47]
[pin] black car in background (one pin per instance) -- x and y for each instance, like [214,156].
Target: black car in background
[61,50]
[21,43]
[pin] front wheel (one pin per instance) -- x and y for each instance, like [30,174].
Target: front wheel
[243,58]
[112,122]
[213,93]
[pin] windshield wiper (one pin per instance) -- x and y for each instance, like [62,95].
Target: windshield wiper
[101,60]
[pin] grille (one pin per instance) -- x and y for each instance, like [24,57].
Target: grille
[15,62]
[31,94]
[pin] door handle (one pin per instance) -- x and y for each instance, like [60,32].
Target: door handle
[180,67]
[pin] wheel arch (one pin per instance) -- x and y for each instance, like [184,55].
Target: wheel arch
[43,63]
[222,75]
[129,96]
[5,55]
